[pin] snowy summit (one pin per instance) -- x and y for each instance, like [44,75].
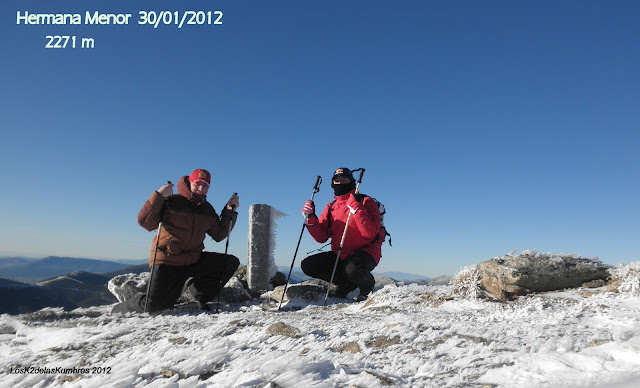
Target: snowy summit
[403,336]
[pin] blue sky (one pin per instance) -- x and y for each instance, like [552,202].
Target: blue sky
[484,126]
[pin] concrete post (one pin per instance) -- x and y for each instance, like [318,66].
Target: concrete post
[261,264]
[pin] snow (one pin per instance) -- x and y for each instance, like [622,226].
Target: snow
[558,258]
[629,277]
[58,278]
[404,336]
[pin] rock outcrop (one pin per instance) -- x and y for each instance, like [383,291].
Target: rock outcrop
[509,276]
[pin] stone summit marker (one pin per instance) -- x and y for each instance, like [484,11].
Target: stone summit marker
[262,242]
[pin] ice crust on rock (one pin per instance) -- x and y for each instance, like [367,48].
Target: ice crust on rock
[507,277]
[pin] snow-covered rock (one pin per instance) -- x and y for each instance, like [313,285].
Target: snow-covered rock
[382,281]
[466,283]
[300,292]
[626,278]
[509,276]
[126,286]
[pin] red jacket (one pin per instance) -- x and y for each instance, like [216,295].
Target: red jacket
[363,233]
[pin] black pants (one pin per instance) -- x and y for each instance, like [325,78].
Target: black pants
[209,274]
[351,273]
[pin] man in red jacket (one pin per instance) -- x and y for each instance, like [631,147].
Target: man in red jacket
[361,250]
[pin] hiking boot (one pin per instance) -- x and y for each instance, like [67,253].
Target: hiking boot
[344,289]
[360,298]
[187,295]
[341,293]
[191,294]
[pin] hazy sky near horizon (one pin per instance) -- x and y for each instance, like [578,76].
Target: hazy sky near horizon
[484,126]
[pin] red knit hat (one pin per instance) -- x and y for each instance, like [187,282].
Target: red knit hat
[200,175]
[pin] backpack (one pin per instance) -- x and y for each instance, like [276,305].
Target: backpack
[382,211]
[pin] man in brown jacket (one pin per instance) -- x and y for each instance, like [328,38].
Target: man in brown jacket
[186,219]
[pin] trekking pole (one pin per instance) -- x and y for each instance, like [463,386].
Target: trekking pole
[226,248]
[155,252]
[316,188]
[344,234]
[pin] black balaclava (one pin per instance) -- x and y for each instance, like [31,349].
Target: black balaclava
[343,188]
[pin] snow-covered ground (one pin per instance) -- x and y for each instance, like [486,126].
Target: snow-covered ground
[407,336]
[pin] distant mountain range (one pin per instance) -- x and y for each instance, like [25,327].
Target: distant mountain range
[8,262]
[31,284]
[77,289]
[33,270]
[70,291]
[28,285]
[404,277]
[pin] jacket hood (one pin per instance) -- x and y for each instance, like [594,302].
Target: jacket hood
[184,189]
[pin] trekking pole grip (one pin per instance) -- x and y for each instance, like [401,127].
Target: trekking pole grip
[233,206]
[316,186]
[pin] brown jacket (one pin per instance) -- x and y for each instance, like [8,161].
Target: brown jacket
[186,222]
